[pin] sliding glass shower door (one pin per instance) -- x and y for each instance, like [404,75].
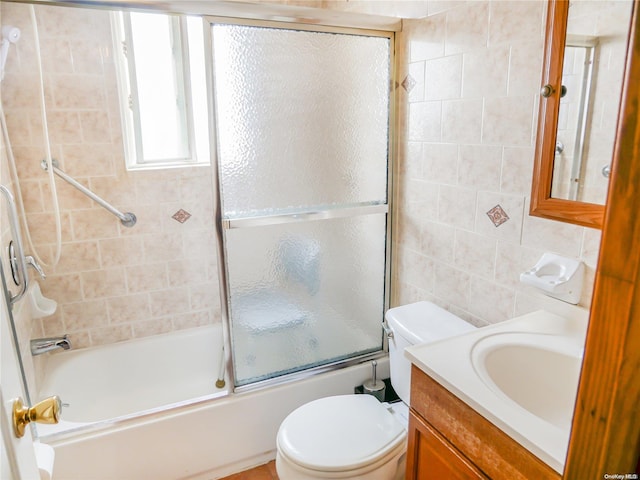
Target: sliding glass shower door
[302,125]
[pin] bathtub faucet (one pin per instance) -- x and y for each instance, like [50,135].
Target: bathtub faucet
[44,345]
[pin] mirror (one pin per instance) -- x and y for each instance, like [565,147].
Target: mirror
[584,60]
[571,156]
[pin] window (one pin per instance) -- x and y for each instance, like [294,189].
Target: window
[162,86]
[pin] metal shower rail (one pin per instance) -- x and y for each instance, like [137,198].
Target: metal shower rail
[127,219]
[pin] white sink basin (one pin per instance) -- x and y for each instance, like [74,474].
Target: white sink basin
[521,375]
[538,372]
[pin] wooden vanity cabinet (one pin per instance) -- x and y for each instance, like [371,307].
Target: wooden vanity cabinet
[448,439]
[432,457]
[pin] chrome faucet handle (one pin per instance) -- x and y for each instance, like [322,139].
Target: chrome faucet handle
[34,263]
[387,329]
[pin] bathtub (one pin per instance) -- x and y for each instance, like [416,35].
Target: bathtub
[177,425]
[98,384]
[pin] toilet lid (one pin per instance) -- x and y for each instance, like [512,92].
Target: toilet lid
[339,433]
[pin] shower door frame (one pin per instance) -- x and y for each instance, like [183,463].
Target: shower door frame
[222,224]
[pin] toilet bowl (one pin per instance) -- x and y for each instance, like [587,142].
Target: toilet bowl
[355,436]
[370,441]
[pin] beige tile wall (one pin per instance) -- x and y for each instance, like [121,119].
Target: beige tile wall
[470,106]
[112,283]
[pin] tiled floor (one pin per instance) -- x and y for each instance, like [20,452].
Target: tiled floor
[263,472]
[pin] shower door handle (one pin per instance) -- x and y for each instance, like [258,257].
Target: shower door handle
[305,215]
[14,222]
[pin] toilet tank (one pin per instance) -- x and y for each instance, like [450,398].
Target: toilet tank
[412,324]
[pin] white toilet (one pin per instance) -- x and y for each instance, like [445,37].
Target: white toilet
[356,436]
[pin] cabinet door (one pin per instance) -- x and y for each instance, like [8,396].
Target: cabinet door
[431,457]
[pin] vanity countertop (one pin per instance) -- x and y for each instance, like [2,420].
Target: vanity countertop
[521,375]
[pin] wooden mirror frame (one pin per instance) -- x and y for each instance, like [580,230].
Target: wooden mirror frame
[542,204]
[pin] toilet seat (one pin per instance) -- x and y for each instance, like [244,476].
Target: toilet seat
[385,468]
[340,433]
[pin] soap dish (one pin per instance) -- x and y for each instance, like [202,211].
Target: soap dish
[556,276]
[39,304]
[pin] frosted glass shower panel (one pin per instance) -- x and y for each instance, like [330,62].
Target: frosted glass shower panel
[305,294]
[302,127]
[302,117]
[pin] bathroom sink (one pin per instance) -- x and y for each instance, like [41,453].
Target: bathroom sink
[538,372]
[521,374]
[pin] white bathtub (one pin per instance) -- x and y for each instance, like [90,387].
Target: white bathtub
[175,425]
[125,378]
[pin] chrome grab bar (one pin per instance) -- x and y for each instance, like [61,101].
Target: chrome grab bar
[127,219]
[14,224]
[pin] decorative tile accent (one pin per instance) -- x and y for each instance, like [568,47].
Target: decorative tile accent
[408,83]
[181,216]
[497,215]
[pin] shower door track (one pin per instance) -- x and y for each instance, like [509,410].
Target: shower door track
[246,11]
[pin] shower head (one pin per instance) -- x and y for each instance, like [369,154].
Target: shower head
[10,33]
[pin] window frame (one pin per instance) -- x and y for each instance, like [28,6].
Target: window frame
[126,68]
